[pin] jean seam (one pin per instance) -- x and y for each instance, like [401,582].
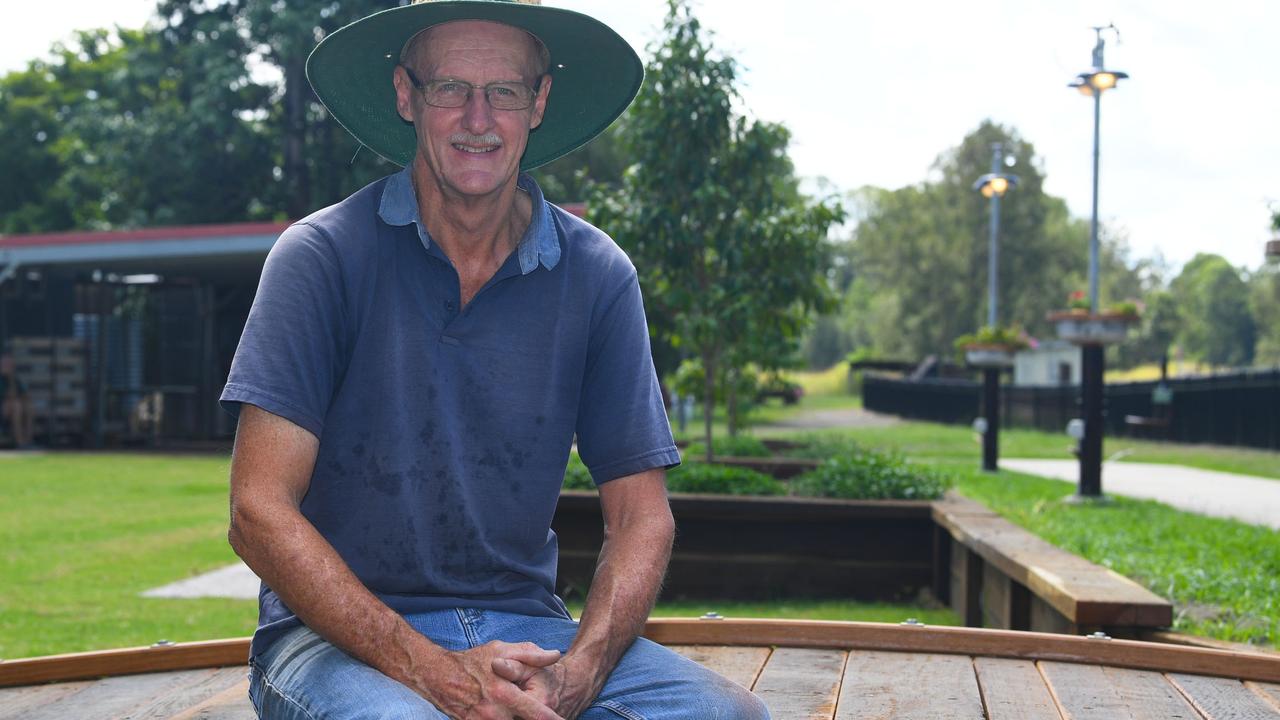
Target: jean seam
[619,708]
[472,639]
[269,687]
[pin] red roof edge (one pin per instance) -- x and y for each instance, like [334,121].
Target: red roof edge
[179,232]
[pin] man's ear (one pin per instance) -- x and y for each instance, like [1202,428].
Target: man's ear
[540,101]
[404,93]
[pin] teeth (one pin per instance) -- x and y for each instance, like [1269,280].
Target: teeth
[474,150]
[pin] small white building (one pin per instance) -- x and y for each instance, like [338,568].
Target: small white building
[1052,362]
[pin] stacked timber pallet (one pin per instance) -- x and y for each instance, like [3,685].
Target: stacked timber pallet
[54,370]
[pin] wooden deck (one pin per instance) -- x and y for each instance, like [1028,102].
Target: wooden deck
[802,670]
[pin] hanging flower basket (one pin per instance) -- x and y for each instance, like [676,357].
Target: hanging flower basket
[993,347]
[1085,328]
[989,356]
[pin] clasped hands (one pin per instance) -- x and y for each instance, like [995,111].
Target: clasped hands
[511,681]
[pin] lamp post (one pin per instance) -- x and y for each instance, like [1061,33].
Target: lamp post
[993,185]
[1094,83]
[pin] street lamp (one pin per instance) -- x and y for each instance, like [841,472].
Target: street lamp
[1094,83]
[993,186]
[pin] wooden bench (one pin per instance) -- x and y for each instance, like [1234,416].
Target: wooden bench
[996,574]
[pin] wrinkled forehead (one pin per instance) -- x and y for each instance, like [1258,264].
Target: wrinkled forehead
[463,33]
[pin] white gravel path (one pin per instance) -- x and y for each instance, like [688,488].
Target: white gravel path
[1242,497]
[233,581]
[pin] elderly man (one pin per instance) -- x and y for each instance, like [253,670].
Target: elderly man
[417,363]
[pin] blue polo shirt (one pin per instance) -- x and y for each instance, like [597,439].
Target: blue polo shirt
[444,431]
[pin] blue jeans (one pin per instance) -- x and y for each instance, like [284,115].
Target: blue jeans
[303,676]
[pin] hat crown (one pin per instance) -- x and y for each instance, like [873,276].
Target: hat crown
[522,2]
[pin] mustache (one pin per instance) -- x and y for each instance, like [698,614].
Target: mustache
[469,139]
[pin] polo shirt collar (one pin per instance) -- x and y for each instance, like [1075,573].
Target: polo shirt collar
[540,244]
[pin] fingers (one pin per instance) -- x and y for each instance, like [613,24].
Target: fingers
[514,670]
[528,708]
[528,653]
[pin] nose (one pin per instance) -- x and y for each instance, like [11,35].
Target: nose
[477,116]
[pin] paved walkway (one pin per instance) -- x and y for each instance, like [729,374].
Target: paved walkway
[829,419]
[233,581]
[1242,497]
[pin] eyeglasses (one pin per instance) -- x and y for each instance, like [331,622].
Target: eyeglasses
[456,93]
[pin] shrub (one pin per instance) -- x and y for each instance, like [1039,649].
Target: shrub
[576,475]
[722,480]
[735,446]
[868,475]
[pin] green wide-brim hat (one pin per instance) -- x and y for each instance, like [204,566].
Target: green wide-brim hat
[596,73]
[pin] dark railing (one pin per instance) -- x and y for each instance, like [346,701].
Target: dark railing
[1240,408]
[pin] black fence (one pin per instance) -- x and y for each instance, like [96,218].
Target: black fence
[1240,408]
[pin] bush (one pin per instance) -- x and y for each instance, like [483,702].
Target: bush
[576,475]
[868,475]
[736,446]
[722,480]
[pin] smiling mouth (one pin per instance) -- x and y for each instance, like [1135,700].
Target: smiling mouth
[475,144]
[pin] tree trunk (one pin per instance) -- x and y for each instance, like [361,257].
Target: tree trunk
[731,400]
[708,397]
[297,183]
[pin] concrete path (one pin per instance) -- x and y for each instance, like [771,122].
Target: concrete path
[829,419]
[233,581]
[1242,497]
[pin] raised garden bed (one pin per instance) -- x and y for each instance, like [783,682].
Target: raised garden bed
[993,573]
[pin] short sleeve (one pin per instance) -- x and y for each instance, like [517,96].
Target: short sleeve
[622,425]
[292,354]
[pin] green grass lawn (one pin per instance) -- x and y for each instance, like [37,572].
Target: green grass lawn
[84,534]
[933,442]
[1222,576]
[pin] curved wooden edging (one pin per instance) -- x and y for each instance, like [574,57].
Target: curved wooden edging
[969,641]
[788,633]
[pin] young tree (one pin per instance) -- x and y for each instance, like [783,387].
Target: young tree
[1218,325]
[729,252]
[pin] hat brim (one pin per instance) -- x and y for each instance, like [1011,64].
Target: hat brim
[596,74]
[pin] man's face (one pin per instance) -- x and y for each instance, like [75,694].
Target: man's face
[471,150]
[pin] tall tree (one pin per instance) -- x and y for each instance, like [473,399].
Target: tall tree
[730,253]
[124,129]
[1218,325]
[1264,300]
[316,160]
[922,252]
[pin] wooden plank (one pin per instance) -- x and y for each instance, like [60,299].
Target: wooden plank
[183,698]
[1092,692]
[1223,698]
[801,684]
[1014,690]
[1267,691]
[114,697]
[230,704]
[909,686]
[80,666]
[1086,593]
[740,664]
[15,702]
[969,641]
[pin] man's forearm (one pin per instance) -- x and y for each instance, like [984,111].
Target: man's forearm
[629,573]
[304,570]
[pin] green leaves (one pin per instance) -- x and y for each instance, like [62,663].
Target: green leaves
[731,255]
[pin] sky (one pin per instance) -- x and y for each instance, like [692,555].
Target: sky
[1190,153]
